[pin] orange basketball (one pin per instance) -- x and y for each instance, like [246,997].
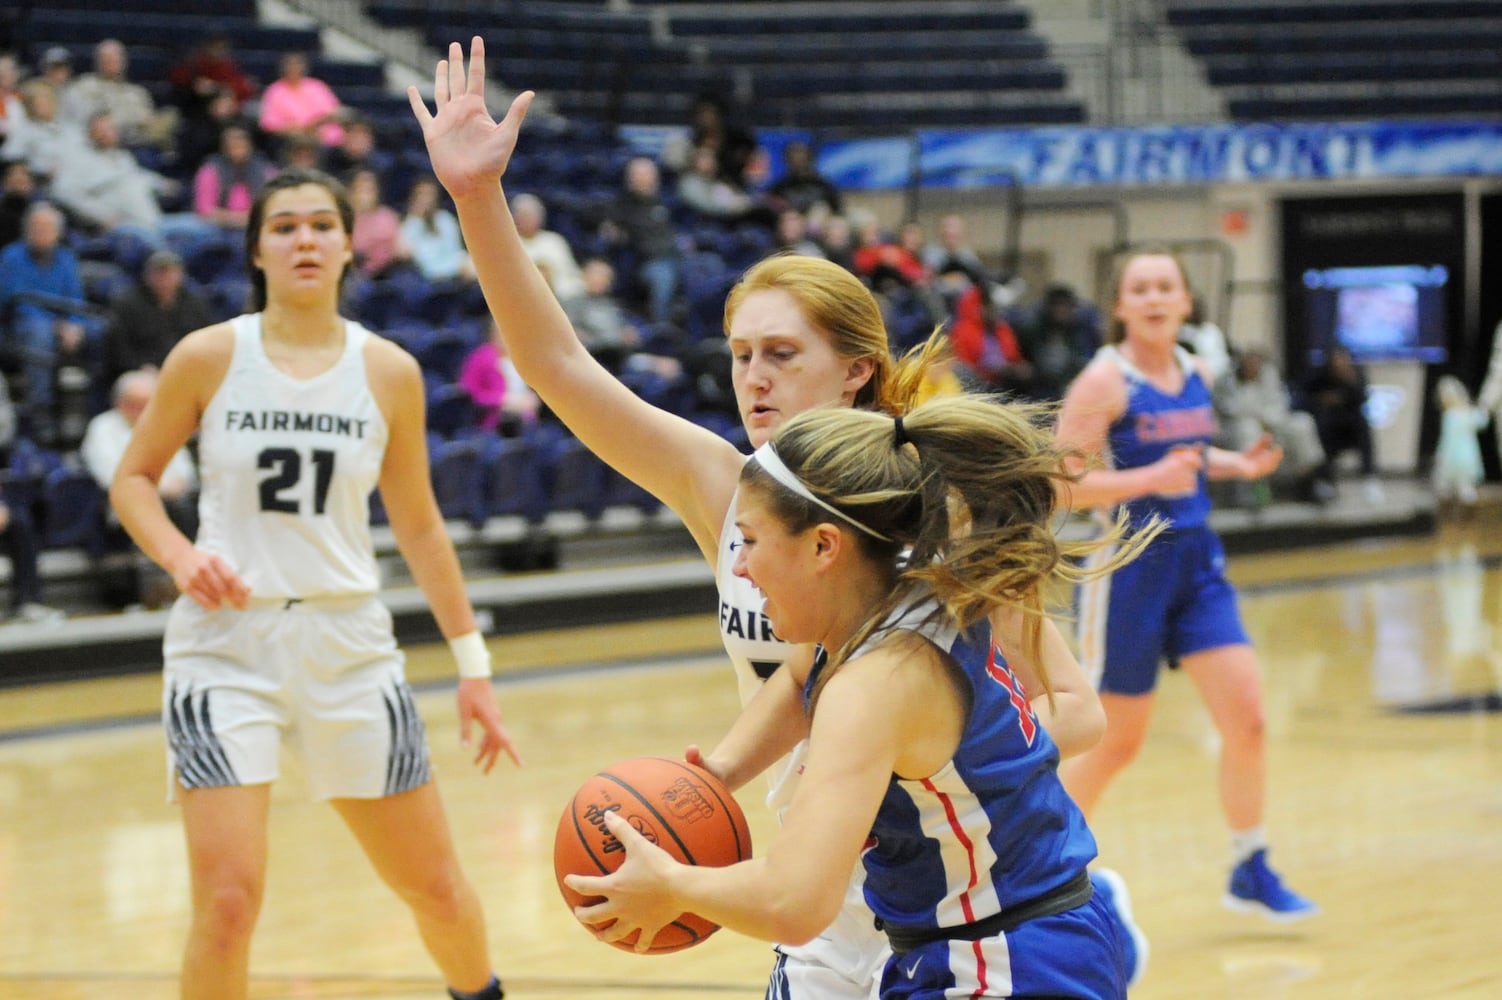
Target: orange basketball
[681,808]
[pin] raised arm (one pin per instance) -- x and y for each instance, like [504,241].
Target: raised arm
[689,468]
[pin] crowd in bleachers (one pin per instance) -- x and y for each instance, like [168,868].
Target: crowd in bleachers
[122,221]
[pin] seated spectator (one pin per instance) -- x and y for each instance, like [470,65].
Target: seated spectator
[103,446]
[299,151]
[377,234]
[987,355]
[951,252]
[1207,340]
[882,260]
[837,239]
[130,104]
[22,544]
[734,144]
[148,319]
[793,237]
[1252,402]
[41,140]
[598,318]
[708,193]
[801,186]
[228,181]
[548,250]
[103,186]
[43,335]
[199,138]
[17,190]
[431,233]
[55,68]
[1058,339]
[1336,396]
[297,102]
[639,220]
[357,150]
[503,400]
[208,73]
[12,107]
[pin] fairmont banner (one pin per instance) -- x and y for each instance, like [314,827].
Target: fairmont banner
[1077,157]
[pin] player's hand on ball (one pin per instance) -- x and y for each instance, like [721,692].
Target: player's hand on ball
[635,896]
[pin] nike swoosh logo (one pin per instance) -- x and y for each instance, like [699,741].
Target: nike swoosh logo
[912,970]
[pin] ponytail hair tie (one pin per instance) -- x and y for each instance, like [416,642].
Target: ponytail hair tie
[899,432]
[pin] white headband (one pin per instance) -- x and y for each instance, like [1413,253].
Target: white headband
[766,456]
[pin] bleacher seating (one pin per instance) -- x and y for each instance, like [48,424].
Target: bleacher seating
[1347,58]
[835,65]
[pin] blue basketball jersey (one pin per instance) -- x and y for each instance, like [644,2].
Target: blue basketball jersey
[991,829]
[1155,423]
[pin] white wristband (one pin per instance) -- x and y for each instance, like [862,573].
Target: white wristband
[472,656]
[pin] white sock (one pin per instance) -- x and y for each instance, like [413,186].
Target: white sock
[1245,843]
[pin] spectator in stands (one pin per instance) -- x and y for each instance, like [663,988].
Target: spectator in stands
[987,355]
[207,74]
[104,187]
[130,104]
[109,432]
[297,102]
[501,398]
[198,137]
[431,233]
[8,423]
[641,222]
[793,237]
[56,69]
[801,186]
[1207,340]
[1254,401]
[228,182]
[43,336]
[22,545]
[951,250]
[357,150]
[17,190]
[599,322]
[299,151]
[147,319]
[12,107]
[103,446]
[377,234]
[1058,338]
[837,239]
[1336,395]
[41,139]
[548,250]
[702,188]
[711,125]
[883,261]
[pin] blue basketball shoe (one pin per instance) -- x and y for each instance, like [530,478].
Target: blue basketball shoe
[1112,889]
[1256,888]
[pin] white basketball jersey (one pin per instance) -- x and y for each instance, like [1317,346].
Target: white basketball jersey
[754,651]
[288,465]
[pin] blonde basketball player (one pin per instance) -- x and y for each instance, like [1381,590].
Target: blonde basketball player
[279,638]
[803,333]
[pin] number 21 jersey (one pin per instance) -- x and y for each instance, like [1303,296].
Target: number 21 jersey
[287,467]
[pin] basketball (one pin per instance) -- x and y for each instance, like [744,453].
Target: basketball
[681,808]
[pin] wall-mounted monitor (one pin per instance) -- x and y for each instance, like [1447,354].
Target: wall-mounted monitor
[1386,313]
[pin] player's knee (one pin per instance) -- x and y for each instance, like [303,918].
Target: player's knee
[229,912]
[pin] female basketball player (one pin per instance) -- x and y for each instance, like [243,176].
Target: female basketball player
[803,333]
[924,761]
[280,634]
[1144,405]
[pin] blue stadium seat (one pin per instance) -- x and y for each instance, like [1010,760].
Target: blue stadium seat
[451,412]
[73,509]
[513,480]
[459,481]
[576,479]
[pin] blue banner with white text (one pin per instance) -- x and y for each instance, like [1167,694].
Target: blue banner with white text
[1076,157]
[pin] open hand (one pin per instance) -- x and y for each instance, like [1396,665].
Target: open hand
[477,704]
[468,148]
[635,896]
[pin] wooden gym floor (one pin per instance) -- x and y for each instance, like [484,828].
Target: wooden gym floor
[1383,667]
